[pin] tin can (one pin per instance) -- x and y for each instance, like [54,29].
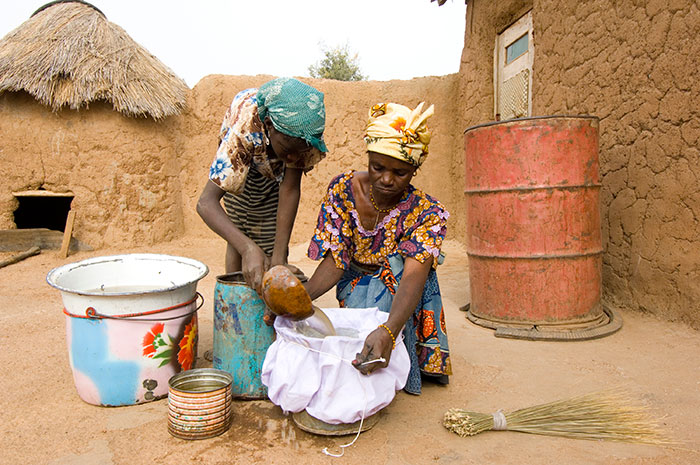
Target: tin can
[199,403]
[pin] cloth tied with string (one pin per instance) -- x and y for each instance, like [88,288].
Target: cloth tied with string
[316,374]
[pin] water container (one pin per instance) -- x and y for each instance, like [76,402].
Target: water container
[534,239]
[241,338]
[131,324]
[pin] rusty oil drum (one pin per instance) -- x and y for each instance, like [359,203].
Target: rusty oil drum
[534,231]
[241,338]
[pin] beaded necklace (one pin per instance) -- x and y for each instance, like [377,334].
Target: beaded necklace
[379,210]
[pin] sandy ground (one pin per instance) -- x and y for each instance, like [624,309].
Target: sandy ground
[45,422]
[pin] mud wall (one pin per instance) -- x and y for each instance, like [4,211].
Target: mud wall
[347,105]
[122,171]
[631,63]
[136,181]
[634,65]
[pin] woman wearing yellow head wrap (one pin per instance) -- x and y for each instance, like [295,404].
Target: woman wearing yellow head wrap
[399,132]
[379,240]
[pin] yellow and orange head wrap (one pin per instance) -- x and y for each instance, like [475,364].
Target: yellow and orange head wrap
[399,132]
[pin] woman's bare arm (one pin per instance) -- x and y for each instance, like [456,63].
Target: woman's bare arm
[379,343]
[324,278]
[210,210]
[289,194]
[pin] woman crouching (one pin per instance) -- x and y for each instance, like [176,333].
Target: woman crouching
[379,240]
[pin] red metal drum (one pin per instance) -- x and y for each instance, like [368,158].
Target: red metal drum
[533,212]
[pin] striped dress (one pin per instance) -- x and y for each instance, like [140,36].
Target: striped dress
[254,211]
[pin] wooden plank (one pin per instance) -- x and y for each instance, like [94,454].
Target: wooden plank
[42,194]
[20,256]
[15,240]
[67,233]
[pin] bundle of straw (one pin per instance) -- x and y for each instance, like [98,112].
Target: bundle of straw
[68,54]
[608,415]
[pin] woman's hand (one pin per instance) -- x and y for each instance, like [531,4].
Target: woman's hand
[296,271]
[254,263]
[377,345]
[268,317]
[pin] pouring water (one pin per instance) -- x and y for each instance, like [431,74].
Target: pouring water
[286,296]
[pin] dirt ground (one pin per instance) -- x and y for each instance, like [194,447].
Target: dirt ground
[45,422]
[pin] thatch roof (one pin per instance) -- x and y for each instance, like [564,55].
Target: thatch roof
[67,53]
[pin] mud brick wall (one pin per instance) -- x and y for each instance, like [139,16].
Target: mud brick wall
[347,106]
[631,63]
[634,64]
[122,171]
[136,181]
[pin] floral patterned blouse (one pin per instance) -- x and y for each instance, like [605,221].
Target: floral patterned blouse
[242,142]
[415,228]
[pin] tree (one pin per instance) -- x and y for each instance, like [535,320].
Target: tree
[337,65]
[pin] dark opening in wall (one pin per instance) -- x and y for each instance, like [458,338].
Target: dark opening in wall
[42,209]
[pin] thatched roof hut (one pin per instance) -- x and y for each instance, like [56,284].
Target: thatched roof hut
[68,53]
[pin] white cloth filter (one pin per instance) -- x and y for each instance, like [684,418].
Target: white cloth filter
[316,374]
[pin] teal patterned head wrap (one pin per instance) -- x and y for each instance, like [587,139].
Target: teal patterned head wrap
[296,109]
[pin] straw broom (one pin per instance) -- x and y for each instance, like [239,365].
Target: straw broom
[608,415]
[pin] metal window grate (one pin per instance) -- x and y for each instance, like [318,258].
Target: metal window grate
[513,101]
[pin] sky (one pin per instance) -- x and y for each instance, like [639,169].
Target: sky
[393,39]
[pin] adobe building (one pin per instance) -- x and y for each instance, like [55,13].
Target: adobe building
[134,164]
[130,144]
[634,66]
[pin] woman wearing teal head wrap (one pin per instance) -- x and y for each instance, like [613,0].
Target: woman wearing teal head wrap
[295,109]
[268,138]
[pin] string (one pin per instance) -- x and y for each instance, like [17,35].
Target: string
[364,396]
[499,421]
[316,350]
[359,430]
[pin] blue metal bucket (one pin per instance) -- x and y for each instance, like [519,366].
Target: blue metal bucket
[241,338]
